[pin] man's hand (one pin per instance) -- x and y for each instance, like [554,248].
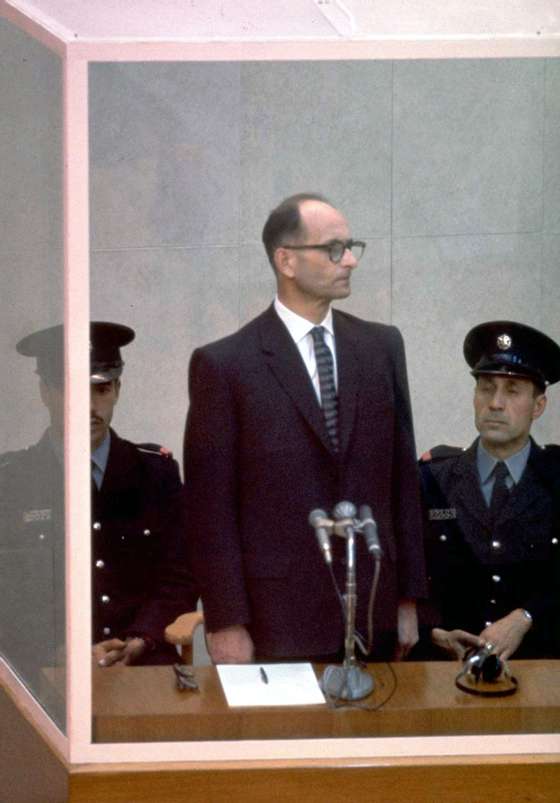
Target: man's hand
[456,642]
[407,628]
[232,645]
[506,634]
[115,650]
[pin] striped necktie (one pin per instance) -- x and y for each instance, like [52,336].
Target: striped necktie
[325,369]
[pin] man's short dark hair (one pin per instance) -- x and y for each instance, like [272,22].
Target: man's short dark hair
[284,222]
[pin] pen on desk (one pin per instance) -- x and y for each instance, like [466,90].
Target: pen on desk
[264,676]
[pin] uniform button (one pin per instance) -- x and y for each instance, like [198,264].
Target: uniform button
[496,578]
[554,541]
[100,564]
[106,631]
[105,599]
[496,545]
[487,624]
[42,536]
[96,525]
[443,537]
[147,532]
[492,602]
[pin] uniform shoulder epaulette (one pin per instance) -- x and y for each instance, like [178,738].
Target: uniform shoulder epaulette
[441,452]
[552,450]
[155,449]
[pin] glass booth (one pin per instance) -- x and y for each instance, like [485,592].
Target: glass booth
[143,147]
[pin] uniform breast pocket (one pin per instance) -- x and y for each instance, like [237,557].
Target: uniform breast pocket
[537,537]
[536,549]
[138,540]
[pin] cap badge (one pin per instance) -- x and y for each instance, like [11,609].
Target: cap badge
[504,342]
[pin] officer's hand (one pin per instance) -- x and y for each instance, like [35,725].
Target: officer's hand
[115,650]
[456,642]
[506,634]
[232,645]
[407,628]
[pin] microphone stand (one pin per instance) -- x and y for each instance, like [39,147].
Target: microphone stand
[349,681]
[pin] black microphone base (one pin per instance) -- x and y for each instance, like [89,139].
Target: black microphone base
[346,682]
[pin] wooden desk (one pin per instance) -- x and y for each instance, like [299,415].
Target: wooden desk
[134,704]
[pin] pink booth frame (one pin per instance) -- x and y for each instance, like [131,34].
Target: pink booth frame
[353,37]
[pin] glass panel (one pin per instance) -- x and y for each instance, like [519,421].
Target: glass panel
[32,622]
[438,166]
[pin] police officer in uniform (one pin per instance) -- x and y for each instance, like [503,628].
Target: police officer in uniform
[140,580]
[492,510]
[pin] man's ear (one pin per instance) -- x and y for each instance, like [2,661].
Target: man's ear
[540,405]
[283,260]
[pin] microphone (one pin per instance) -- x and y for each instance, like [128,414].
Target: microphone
[344,513]
[369,529]
[322,526]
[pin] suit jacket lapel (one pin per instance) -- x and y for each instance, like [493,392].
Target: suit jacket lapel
[284,360]
[349,380]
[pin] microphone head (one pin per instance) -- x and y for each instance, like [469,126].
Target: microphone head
[344,510]
[316,517]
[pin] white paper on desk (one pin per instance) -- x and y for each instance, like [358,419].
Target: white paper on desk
[288,684]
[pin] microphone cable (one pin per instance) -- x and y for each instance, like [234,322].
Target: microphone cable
[335,701]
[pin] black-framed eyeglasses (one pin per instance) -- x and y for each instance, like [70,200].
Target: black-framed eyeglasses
[335,248]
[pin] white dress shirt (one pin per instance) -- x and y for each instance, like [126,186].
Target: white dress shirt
[300,332]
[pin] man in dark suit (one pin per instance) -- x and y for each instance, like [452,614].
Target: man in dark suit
[492,510]
[278,427]
[140,581]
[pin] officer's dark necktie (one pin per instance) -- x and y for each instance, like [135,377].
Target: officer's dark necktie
[95,479]
[325,370]
[500,491]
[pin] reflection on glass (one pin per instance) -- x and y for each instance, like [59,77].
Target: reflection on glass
[32,626]
[31,436]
